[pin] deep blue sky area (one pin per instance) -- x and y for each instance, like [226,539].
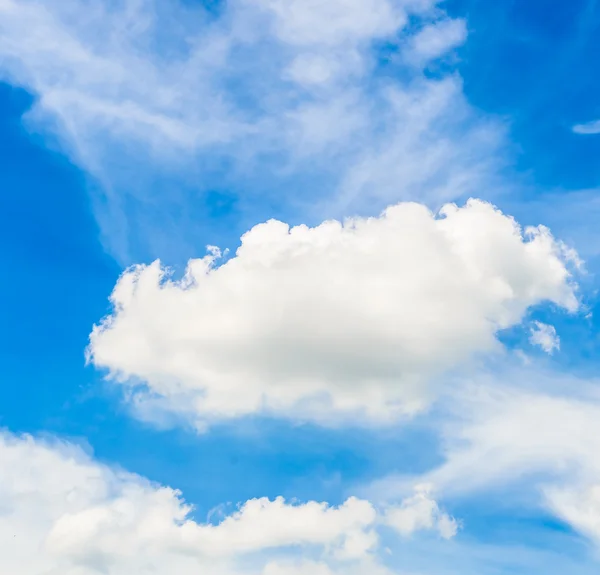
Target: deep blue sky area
[537,64]
[57,274]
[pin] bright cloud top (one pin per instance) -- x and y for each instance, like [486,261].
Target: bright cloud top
[331,92]
[338,320]
[65,514]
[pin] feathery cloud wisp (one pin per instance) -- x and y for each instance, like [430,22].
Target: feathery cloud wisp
[259,97]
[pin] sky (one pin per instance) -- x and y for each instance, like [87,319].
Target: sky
[296,287]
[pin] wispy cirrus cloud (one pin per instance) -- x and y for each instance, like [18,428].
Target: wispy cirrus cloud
[588,128]
[284,103]
[530,443]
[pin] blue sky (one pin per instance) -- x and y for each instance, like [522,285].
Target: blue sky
[449,349]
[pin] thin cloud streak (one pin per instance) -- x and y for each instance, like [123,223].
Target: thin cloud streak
[589,128]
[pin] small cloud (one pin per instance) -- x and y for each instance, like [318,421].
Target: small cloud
[545,336]
[588,128]
[437,39]
[421,512]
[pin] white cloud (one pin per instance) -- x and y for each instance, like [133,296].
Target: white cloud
[579,506]
[545,336]
[502,434]
[436,39]
[346,528]
[303,568]
[335,23]
[536,441]
[421,512]
[268,88]
[63,513]
[338,320]
[588,128]
[319,568]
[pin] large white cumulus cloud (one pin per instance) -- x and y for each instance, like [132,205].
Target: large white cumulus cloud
[62,513]
[343,319]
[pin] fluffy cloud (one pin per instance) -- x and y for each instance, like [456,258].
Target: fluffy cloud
[437,39]
[545,336]
[319,568]
[62,513]
[268,88]
[421,512]
[283,525]
[339,320]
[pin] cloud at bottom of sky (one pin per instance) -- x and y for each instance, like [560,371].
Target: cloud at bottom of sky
[64,513]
